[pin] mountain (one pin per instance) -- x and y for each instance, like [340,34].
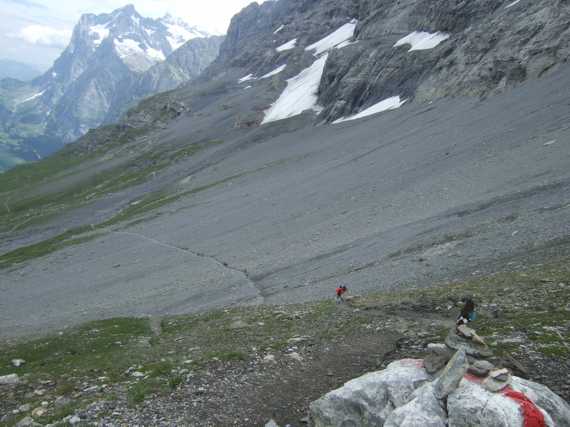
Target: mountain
[382,144]
[101,73]
[17,70]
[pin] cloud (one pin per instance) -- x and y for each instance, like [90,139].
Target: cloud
[43,35]
[28,3]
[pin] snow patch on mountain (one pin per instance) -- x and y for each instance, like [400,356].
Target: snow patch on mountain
[274,72]
[420,40]
[179,32]
[341,35]
[34,96]
[287,46]
[278,29]
[246,78]
[99,33]
[514,3]
[135,57]
[299,95]
[387,104]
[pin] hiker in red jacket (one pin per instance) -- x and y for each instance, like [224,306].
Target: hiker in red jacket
[339,292]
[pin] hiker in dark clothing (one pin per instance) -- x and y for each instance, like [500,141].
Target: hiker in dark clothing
[339,293]
[467,315]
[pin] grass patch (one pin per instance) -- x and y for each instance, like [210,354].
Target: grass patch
[94,349]
[45,247]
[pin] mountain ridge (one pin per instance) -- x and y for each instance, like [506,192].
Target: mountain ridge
[107,53]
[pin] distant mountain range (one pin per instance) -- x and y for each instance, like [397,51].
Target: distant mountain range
[17,70]
[112,61]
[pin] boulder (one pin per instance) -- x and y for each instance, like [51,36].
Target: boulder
[370,399]
[10,379]
[271,423]
[27,422]
[465,407]
[403,396]
[556,407]
[423,410]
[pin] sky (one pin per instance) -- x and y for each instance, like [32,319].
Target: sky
[37,31]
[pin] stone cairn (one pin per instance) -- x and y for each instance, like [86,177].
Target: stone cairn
[454,385]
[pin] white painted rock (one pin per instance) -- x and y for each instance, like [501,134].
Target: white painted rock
[370,399]
[18,362]
[403,395]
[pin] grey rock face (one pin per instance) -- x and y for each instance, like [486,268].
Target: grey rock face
[370,399]
[490,48]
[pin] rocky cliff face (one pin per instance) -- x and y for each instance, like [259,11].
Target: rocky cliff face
[112,60]
[413,49]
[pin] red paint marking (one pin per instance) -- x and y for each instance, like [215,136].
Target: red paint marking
[532,416]
[418,363]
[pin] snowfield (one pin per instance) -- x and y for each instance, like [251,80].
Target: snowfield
[287,46]
[387,104]
[99,33]
[135,57]
[420,40]
[299,95]
[274,72]
[180,32]
[343,34]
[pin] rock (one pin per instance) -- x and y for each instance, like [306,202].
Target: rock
[295,356]
[497,380]
[137,374]
[27,422]
[10,379]
[25,407]
[62,401]
[480,368]
[18,362]
[38,412]
[92,389]
[556,407]
[465,407]
[437,359]
[470,347]
[74,420]
[296,340]
[452,375]
[370,399]
[238,324]
[271,423]
[423,410]
[269,359]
